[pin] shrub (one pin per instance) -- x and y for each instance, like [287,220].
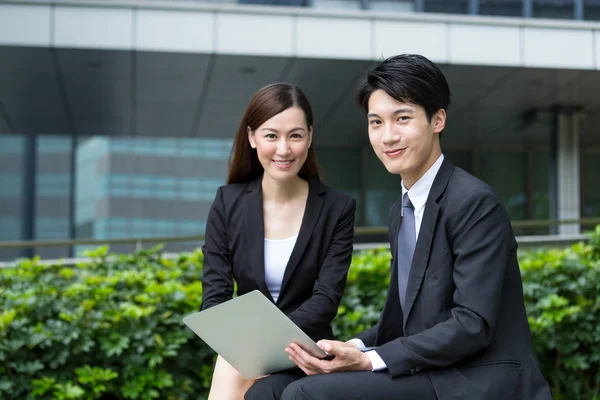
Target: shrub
[562,295]
[111,328]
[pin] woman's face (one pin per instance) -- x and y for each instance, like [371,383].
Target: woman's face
[282,143]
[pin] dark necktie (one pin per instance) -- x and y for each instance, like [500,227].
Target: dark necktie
[406,246]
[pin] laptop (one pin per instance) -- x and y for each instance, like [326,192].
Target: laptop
[251,334]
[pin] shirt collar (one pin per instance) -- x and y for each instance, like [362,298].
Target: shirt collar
[419,192]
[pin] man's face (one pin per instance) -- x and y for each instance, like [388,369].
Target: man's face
[404,140]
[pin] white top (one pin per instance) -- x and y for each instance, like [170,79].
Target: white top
[417,194]
[277,255]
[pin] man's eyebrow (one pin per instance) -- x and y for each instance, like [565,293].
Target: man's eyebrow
[404,110]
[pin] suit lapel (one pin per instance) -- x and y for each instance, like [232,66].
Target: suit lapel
[421,255]
[255,233]
[425,239]
[314,204]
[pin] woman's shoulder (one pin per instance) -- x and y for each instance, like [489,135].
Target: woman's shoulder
[233,188]
[335,195]
[231,194]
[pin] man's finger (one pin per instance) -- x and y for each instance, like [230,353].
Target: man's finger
[334,346]
[326,345]
[305,359]
[307,370]
[296,356]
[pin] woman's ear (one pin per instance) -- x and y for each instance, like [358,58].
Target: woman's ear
[251,137]
[310,135]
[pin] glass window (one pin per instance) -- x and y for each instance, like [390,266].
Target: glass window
[539,185]
[341,169]
[460,159]
[590,190]
[561,9]
[12,148]
[11,228]
[53,192]
[381,188]
[11,184]
[508,8]
[591,10]
[539,207]
[392,5]
[447,6]
[294,3]
[494,167]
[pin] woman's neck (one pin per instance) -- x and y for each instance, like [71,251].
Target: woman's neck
[282,191]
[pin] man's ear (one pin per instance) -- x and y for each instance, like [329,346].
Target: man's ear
[251,137]
[439,120]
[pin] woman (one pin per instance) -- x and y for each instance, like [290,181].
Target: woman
[276,228]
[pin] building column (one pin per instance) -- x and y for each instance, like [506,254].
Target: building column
[29,193]
[72,189]
[564,172]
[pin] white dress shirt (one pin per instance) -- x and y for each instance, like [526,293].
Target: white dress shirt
[417,194]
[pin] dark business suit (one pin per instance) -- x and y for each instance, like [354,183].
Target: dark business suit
[464,332]
[315,276]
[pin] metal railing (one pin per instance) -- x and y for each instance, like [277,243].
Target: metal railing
[362,233]
[359,231]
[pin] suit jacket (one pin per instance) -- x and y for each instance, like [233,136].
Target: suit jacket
[315,276]
[464,321]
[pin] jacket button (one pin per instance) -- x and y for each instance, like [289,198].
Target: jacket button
[412,371]
[417,369]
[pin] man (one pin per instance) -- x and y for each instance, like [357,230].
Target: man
[454,324]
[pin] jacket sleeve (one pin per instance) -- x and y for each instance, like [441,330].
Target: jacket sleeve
[321,308]
[368,336]
[217,279]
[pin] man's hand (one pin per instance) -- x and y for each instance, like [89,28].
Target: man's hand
[347,358]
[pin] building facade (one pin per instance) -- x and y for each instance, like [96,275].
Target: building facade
[117,119]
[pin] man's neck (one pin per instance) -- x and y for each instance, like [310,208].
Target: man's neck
[413,176]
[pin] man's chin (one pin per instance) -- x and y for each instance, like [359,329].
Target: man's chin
[394,169]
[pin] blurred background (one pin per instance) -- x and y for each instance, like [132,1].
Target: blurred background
[117,117]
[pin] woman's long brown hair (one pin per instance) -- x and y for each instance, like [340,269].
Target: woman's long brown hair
[269,101]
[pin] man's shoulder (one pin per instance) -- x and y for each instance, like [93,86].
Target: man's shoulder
[467,191]
[463,184]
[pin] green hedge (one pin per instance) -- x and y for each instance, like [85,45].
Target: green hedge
[111,329]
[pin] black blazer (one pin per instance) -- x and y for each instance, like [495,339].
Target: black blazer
[315,276]
[464,323]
